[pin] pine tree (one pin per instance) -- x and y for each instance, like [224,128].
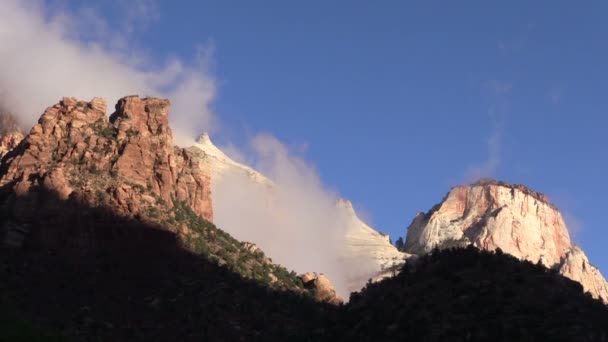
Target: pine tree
[400,244]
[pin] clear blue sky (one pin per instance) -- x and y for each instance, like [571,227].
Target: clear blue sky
[397,101]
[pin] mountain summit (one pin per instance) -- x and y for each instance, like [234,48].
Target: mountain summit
[491,215]
[128,161]
[105,232]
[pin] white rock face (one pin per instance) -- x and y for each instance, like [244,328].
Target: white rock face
[218,164]
[360,245]
[363,240]
[519,221]
[575,265]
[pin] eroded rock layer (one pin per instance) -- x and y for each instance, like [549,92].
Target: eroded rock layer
[127,162]
[490,215]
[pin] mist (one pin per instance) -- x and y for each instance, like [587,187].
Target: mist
[46,55]
[294,219]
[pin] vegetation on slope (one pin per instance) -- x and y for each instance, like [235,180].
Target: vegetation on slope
[159,293]
[242,258]
[167,274]
[197,234]
[472,295]
[102,277]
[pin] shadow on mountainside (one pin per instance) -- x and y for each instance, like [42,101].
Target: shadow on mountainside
[472,295]
[90,275]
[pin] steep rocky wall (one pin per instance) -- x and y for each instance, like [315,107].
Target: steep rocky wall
[491,214]
[127,162]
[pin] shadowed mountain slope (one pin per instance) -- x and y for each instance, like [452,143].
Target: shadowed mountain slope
[92,275]
[472,295]
[491,214]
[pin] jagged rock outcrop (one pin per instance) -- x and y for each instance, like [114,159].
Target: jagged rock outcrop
[127,163]
[363,243]
[10,133]
[323,288]
[253,248]
[575,265]
[490,214]
[9,141]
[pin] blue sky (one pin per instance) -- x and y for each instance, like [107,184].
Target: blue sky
[395,103]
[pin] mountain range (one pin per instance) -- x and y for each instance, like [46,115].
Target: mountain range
[110,230]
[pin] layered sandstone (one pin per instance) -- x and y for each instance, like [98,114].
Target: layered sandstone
[490,215]
[126,162]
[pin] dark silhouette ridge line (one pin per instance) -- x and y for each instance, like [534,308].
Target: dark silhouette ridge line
[85,271]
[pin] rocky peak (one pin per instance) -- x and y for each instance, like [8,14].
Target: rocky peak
[491,214]
[346,205]
[147,157]
[127,163]
[205,140]
[476,214]
[218,165]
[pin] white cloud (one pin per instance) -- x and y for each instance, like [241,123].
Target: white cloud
[46,55]
[295,220]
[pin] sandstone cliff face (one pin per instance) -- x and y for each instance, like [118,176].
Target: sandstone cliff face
[81,184]
[576,266]
[363,240]
[490,215]
[127,163]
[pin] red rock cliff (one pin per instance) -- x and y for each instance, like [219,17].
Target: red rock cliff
[127,163]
